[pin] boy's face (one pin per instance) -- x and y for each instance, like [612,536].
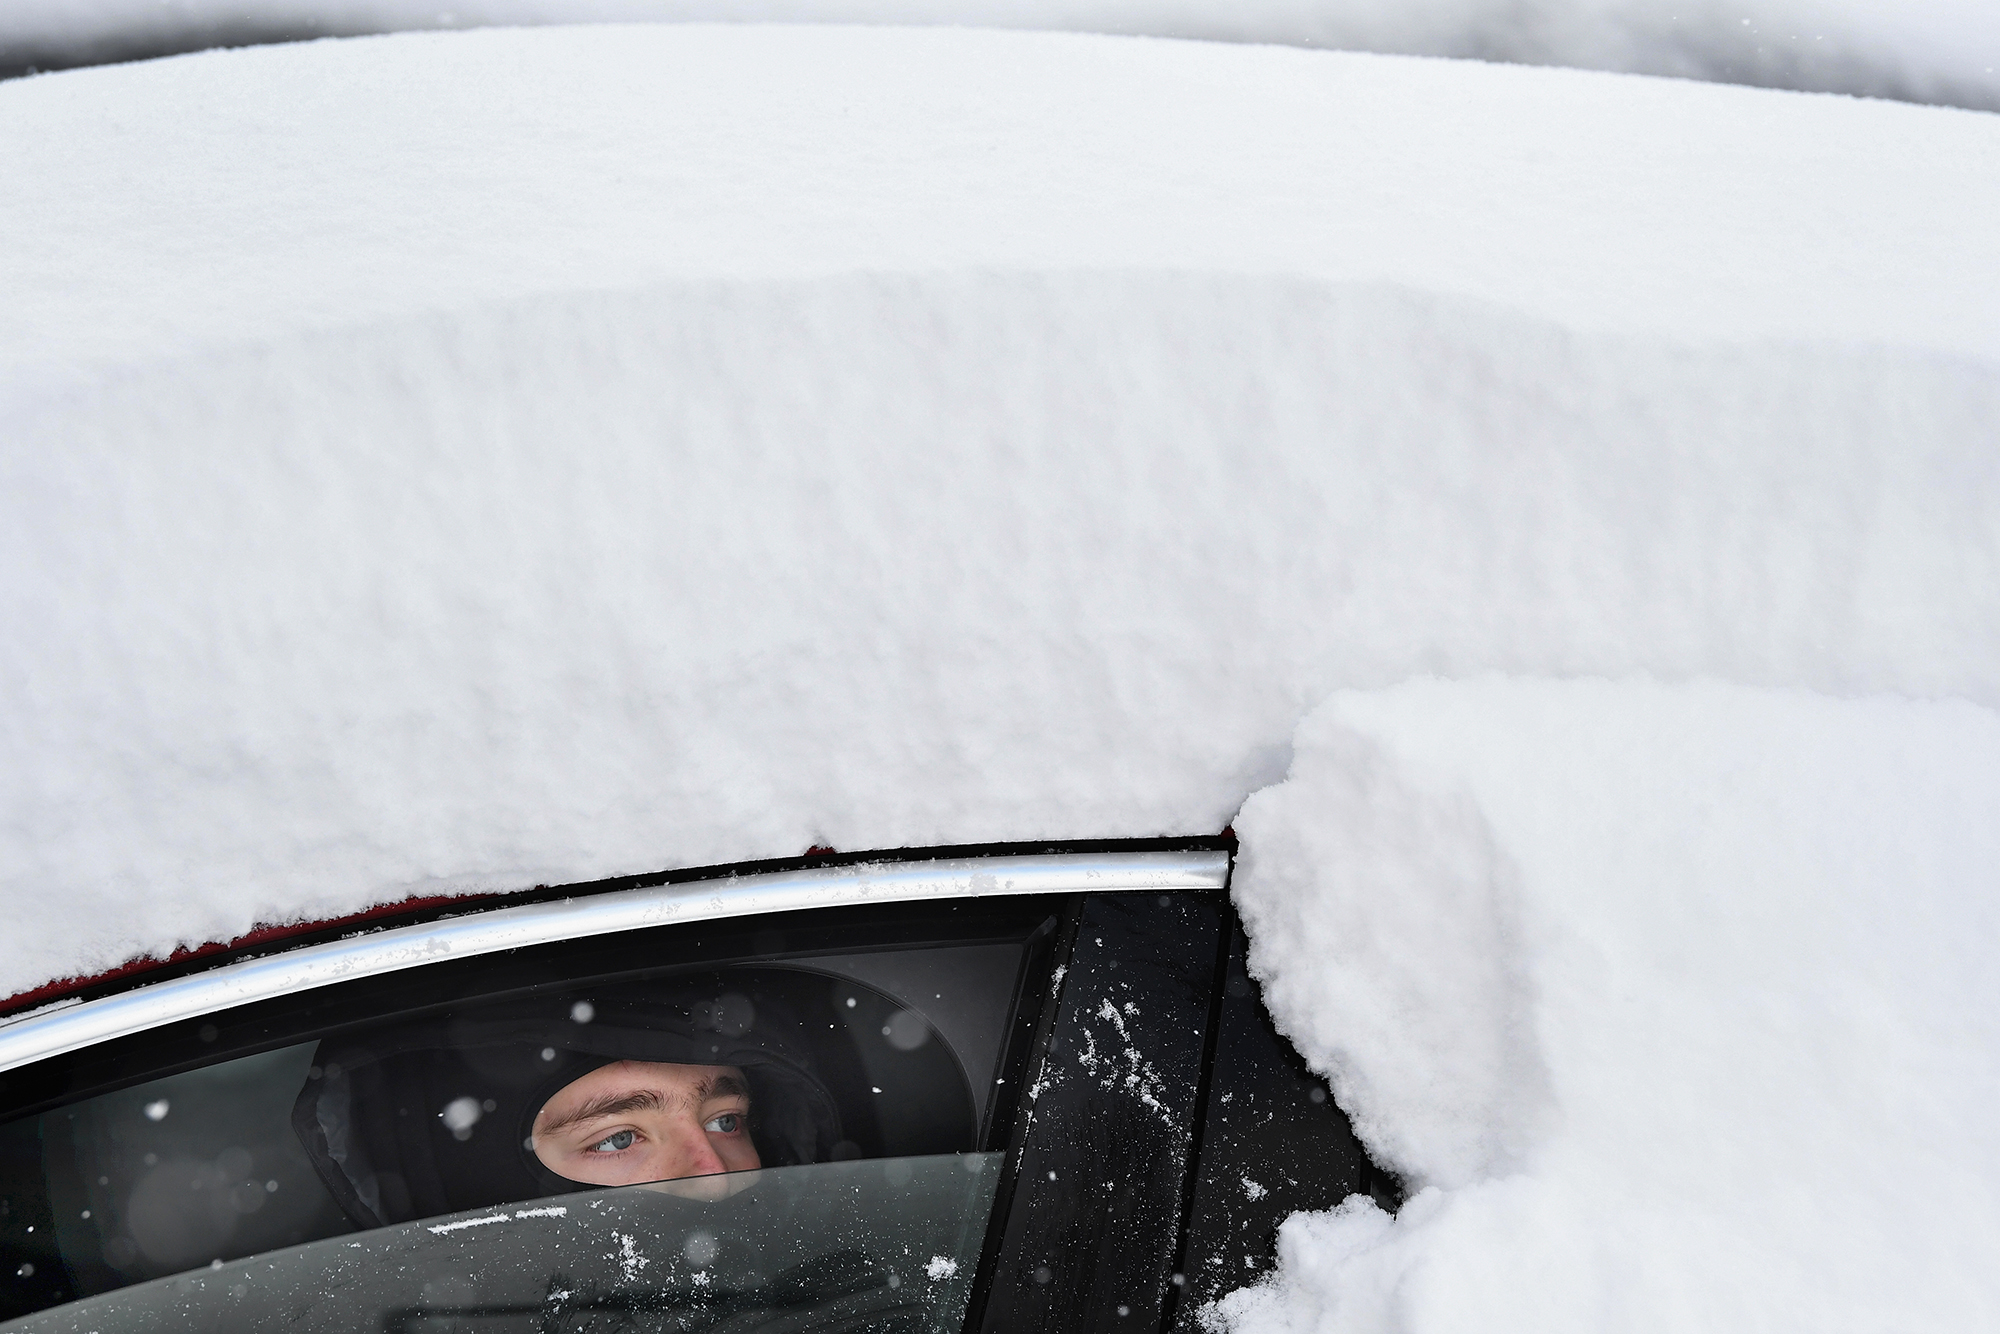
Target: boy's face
[640,1121]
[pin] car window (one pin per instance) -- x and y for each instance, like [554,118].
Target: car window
[431,1149]
[878,1244]
[166,1174]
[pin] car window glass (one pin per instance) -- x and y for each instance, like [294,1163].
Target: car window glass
[172,1173]
[394,1120]
[880,1244]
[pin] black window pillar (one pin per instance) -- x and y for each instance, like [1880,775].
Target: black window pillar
[1105,1138]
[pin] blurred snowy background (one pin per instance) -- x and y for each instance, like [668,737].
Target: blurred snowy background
[1938,51]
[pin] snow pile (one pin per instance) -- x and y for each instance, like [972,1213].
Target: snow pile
[1944,51]
[1678,1000]
[1387,929]
[511,457]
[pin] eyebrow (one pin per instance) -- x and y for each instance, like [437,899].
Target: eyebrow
[722,1086]
[614,1104]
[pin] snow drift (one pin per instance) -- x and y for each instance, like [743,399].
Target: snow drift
[475,460]
[1714,961]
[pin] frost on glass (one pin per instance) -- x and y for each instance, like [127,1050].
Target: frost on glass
[884,1244]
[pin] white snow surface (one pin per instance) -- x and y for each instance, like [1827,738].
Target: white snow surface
[1944,51]
[467,460]
[473,460]
[1676,1001]
[234,199]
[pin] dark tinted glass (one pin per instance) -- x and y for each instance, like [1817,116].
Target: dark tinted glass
[372,1108]
[883,1245]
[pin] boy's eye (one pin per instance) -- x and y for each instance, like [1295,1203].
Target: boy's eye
[726,1124]
[614,1142]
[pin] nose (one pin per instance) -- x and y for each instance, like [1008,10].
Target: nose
[694,1155]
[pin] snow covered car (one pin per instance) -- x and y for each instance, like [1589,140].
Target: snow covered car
[998,1092]
[1550,517]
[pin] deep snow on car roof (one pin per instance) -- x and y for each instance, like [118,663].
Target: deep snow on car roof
[701,444]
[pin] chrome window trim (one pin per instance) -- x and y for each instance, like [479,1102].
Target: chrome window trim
[62,1028]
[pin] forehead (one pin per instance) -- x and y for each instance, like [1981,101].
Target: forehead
[634,1076]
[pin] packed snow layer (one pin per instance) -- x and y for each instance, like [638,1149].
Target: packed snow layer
[1944,51]
[1675,1001]
[511,457]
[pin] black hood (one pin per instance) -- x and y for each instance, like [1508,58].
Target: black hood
[433,1116]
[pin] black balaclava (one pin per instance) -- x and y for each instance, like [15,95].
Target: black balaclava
[433,1116]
